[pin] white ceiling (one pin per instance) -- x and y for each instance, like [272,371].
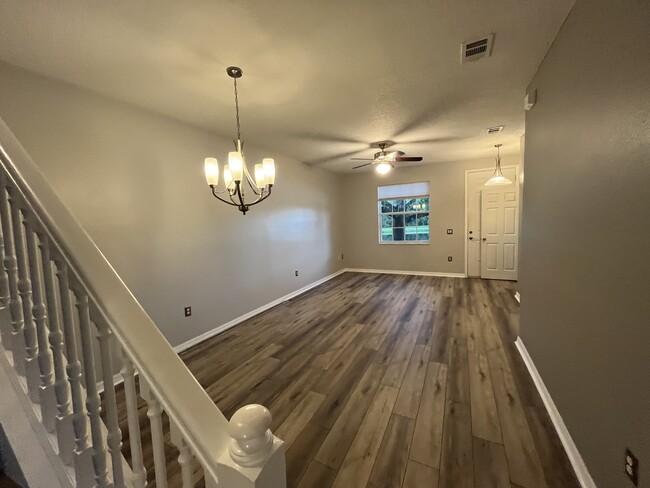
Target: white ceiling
[321,78]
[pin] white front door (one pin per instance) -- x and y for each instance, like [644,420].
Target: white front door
[475,181]
[499,232]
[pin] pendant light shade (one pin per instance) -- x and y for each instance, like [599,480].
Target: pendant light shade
[497,178]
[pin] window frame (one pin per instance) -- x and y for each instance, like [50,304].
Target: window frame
[404,212]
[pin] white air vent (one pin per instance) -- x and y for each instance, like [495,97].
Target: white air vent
[494,130]
[476,49]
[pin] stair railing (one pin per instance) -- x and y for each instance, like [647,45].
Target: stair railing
[73,321]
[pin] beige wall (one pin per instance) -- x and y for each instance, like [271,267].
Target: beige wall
[135,181]
[447,202]
[586,237]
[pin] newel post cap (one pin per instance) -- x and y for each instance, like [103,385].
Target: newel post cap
[252,439]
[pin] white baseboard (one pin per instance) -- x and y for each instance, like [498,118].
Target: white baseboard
[223,327]
[575,458]
[414,273]
[517,296]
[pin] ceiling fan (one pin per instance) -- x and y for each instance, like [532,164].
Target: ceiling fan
[384,160]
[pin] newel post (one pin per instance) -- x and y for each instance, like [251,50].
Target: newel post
[255,457]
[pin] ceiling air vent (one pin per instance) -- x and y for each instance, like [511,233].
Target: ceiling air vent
[476,49]
[494,130]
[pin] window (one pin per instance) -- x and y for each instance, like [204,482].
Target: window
[403,213]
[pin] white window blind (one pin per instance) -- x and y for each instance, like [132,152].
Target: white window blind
[420,189]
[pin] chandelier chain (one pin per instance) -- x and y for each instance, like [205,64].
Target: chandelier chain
[237,111]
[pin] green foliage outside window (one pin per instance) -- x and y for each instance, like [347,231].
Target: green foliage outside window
[404,219]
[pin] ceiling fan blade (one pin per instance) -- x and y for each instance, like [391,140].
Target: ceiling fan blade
[362,159]
[417,158]
[395,154]
[361,166]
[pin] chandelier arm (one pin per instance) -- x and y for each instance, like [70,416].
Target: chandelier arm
[261,199]
[240,194]
[251,183]
[231,194]
[215,195]
[214,190]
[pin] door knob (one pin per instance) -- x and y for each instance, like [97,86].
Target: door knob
[485,239]
[471,238]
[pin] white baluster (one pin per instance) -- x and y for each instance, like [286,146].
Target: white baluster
[64,430]
[32,374]
[11,267]
[93,401]
[154,412]
[46,389]
[114,437]
[139,471]
[5,325]
[185,455]
[82,452]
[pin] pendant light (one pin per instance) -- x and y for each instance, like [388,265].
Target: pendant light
[236,172]
[497,178]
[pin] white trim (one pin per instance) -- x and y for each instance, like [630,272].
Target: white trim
[467,171]
[579,466]
[517,296]
[414,273]
[224,327]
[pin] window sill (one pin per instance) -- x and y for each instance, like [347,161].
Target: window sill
[407,243]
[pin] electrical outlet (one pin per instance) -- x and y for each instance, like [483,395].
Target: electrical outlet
[449,258]
[450,231]
[296,272]
[632,467]
[188,311]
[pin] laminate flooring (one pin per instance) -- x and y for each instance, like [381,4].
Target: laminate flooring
[378,380]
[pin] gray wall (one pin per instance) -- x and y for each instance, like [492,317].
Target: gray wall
[586,234]
[447,203]
[135,181]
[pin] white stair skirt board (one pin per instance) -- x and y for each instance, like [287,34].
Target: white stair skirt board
[414,273]
[575,458]
[517,296]
[224,327]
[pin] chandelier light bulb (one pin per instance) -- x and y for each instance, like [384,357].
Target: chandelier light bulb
[268,165]
[227,176]
[260,178]
[383,168]
[236,163]
[211,168]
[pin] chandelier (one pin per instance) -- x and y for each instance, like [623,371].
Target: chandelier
[236,172]
[497,178]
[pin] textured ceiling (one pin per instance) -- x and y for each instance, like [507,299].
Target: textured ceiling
[322,79]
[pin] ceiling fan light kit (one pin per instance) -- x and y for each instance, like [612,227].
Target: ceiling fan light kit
[236,172]
[384,161]
[497,178]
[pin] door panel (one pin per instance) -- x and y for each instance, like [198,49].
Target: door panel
[499,232]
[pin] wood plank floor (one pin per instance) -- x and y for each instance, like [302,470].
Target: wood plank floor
[387,381]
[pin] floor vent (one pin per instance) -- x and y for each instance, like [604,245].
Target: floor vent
[476,49]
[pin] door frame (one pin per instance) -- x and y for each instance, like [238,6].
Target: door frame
[478,170]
